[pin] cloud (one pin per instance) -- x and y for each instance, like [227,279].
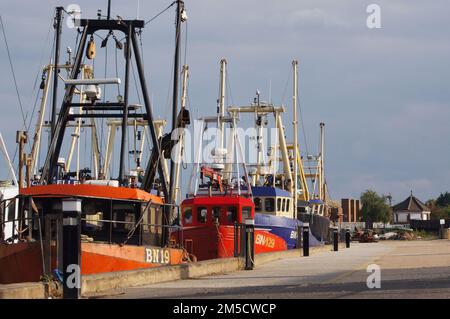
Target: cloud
[383,94]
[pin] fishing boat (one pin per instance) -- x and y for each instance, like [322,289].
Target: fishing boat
[282,199]
[123,222]
[213,214]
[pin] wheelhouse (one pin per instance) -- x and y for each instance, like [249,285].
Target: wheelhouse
[223,210]
[109,214]
[204,219]
[272,201]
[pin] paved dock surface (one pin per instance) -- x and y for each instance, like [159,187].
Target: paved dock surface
[409,269]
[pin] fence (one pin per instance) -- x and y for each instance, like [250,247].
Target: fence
[429,225]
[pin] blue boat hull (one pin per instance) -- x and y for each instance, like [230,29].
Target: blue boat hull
[286,228]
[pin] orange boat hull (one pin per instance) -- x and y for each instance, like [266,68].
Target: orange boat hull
[22,262]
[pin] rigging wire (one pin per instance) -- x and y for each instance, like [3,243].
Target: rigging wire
[228,82]
[37,74]
[161,12]
[13,74]
[303,127]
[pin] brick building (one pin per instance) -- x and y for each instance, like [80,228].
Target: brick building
[351,210]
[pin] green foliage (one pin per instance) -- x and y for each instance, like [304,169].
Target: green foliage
[440,207]
[375,207]
[443,200]
[440,212]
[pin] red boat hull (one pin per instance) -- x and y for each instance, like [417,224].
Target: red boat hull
[265,242]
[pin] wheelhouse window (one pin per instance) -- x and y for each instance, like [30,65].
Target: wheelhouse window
[201,214]
[279,204]
[288,202]
[187,216]
[231,214]
[246,212]
[258,204]
[269,204]
[216,212]
[283,206]
[125,216]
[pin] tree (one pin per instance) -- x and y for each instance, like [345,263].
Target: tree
[375,207]
[443,200]
[440,207]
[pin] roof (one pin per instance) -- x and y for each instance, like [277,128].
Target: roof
[412,204]
[86,190]
[269,191]
[218,200]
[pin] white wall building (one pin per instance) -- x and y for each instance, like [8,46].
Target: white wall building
[411,208]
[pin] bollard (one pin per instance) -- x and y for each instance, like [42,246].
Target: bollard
[71,248]
[236,239]
[335,239]
[250,244]
[347,237]
[305,239]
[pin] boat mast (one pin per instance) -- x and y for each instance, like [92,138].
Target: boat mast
[57,26]
[38,132]
[294,106]
[176,182]
[221,110]
[321,167]
[123,144]
[180,8]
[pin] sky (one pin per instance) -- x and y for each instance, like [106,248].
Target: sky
[383,93]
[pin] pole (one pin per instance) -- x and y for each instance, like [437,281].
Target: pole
[57,27]
[347,237]
[335,239]
[305,239]
[294,106]
[180,5]
[236,239]
[176,182]
[40,122]
[250,244]
[148,109]
[223,68]
[71,248]
[299,236]
[321,173]
[123,144]
[49,170]
[109,10]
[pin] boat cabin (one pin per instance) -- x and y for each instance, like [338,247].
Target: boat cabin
[272,201]
[201,218]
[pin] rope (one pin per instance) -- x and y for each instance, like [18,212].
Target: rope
[13,74]
[39,72]
[131,232]
[161,12]
[221,240]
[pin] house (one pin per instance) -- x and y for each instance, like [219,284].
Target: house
[411,208]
